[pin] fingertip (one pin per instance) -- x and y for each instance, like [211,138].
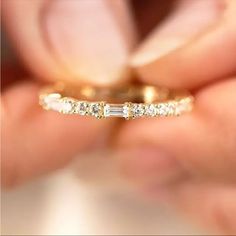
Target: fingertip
[178,56]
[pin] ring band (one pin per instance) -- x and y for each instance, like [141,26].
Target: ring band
[139,101]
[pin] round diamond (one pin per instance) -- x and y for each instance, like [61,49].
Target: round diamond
[51,101]
[126,111]
[82,108]
[162,110]
[171,108]
[95,109]
[66,106]
[150,110]
[178,110]
[55,105]
[183,106]
[138,110]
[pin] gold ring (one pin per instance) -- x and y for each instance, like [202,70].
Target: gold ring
[129,102]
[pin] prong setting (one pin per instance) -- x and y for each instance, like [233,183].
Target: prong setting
[128,110]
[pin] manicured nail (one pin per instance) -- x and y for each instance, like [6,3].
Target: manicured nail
[148,165]
[91,39]
[189,19]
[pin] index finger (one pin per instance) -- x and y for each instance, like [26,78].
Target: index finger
[195,46]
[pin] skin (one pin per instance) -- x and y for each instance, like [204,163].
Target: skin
[188,162]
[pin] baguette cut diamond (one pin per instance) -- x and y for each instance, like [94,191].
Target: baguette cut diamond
[116,110]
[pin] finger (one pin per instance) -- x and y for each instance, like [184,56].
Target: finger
[209,205]
[34,141]
[61,50]
[194,46]
[80,40]
[201,144]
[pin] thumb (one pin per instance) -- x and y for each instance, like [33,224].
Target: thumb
[72,39]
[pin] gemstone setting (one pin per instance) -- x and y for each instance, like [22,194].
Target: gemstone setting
[150,110]
[116,110]
[51,101]
[162,109]
[81,108]
[96,109]
[138,110]
[67,105]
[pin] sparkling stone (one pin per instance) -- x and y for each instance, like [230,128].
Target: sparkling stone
[116,110]
[162,110]
[150,110]
[184,106]
[82,108]
[66,106]
[181,107]
[55,105]
[48,100]
[138,110]
[178,110]
[95,109]
[171,108]
[126,111]
[52,102]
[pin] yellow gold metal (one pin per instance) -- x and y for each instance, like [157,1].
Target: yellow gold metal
[129,102]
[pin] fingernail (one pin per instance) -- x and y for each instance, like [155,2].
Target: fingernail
[91,39]
[148,164]
[188,20]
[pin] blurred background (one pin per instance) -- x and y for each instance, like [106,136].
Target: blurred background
[88,198]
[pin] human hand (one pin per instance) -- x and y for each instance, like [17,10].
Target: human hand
[57,40]
[156,154]
[189,161]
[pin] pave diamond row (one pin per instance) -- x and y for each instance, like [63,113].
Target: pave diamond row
[127,110]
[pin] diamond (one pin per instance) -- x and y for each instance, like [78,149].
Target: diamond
[171,108]
[126,111]
[138,110]
[82,108]
[55,105]
[95,110]
[184,105]
[116,110]
[48,101]
[150,110]
[66,105]
[162,109]
[178,110]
